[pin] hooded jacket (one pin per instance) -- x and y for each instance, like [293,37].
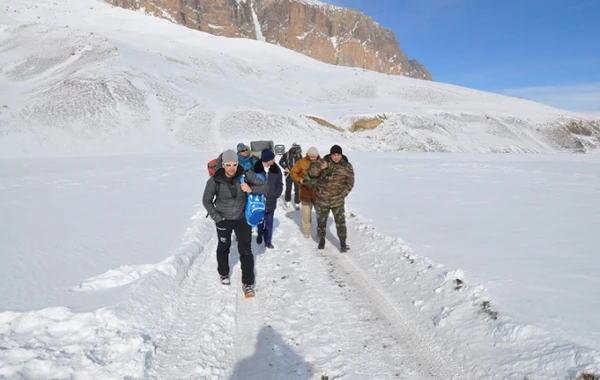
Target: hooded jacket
[223,197]
[274,182]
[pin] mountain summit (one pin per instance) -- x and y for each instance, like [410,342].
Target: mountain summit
[328,33]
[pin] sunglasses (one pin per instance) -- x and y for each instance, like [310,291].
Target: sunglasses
[242,151]
[231,165]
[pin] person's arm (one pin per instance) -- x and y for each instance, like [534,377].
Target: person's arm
[283,161]
[257,185]
[295,173]
[278,186]
[208,198]
[349,180]
[314,170]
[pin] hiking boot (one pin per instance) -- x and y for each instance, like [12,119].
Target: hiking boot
[288,204]
[297,206]
[321,243]
[307,235]
[248,290]
[225,280]
[343,246]
[270,246]
[259,240]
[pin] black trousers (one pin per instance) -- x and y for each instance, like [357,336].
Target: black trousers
[288,190]
[243,232]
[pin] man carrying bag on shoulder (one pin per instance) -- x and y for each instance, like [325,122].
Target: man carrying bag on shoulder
[225,199]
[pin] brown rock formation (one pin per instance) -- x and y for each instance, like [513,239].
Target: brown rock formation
[327,33]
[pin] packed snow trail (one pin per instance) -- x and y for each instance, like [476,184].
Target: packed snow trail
[313,315]
[424,350]
[199,333]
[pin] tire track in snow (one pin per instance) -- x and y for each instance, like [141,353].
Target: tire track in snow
[327,325]
[198,339]
[247,326]
[432,362]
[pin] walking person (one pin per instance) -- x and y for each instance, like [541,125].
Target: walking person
[287,162]
[334,179]
[307,195]
[225,199]
[274,179]
[245,159]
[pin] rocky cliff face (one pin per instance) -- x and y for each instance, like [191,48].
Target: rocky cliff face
[327,33]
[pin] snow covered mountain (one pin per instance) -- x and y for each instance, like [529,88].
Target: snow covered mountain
[82,77]
[328,33]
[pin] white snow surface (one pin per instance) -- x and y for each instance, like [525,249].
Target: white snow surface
[79,77]
[108,271]
[462,266]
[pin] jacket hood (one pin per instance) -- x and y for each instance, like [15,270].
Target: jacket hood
[260,168]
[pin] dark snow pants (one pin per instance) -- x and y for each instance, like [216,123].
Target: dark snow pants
[265,228]
[243,232]
[289,182]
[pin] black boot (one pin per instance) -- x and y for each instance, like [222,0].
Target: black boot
[343,246]
[322,243]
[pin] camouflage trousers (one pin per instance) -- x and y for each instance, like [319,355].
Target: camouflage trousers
[339,215]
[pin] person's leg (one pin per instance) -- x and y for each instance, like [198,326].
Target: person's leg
[288,188]
[306,217]
[243,231]
[260,229]
[268,223]
[224,229]
[296,194]
[322,214]
[339,215]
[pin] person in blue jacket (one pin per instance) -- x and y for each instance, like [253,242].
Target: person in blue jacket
[274,178]
[246,160]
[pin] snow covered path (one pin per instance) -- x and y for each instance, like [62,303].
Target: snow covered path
[310,318]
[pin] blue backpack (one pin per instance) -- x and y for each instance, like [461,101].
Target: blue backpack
[255,205]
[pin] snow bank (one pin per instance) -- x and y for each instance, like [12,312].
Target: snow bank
[485,343]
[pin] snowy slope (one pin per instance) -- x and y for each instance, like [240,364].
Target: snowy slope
[83,78]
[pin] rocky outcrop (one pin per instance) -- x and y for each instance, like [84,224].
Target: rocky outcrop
[330,34]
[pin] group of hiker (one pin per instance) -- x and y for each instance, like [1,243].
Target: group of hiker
[315,181]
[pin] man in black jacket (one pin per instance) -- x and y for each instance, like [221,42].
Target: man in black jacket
[225,199]
[287,162]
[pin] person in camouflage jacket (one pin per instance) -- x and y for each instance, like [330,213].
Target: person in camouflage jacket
[333,177]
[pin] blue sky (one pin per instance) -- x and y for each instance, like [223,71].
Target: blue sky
[544,50]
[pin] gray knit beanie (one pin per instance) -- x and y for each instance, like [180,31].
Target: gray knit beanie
[230,155]
[312,151]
